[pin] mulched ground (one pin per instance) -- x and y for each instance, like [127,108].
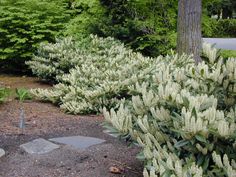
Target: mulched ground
[43,120]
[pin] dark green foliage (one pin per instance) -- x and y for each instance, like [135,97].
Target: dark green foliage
[148,26]
[220,7]
[26,23]
[86,16]
[219,28]
[209,26]
[226,28]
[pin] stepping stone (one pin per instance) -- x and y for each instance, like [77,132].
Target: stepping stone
[78,142]
[2,152]
[39,146]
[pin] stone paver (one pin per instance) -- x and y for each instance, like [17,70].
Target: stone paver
[79,142]
[39,146]
[2,152]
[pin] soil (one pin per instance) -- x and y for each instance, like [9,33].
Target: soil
[44,120]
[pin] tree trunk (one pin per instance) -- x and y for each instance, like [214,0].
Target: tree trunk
[189,28]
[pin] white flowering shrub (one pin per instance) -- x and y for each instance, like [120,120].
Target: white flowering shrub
[53,60]
[181,114]
[101,77]
[183,118]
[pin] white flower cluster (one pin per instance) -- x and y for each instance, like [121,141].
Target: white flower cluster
[53,60]
[225,164]
[102,78]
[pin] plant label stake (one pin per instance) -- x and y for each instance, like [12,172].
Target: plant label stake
[22,121]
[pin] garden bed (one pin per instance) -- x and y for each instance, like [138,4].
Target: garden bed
[43,120]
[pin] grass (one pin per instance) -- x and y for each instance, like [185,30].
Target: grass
[228,53]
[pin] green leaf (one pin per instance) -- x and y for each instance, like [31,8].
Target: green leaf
[181,143]
[201,138]
[140,156]
[194,112]
[186,102]
[202,72]
[206,163]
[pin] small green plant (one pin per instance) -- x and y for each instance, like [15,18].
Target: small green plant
[23,94]
[4,93]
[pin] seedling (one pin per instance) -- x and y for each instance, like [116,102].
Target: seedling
[23,94]
[4,93]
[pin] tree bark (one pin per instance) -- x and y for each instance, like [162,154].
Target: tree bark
[189,28]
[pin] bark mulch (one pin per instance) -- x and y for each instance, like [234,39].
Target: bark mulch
[44,120]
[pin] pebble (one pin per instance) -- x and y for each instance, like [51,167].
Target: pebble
[2,152]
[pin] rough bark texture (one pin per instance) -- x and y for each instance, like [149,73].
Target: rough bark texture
[189,28]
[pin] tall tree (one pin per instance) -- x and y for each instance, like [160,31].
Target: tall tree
[189,28]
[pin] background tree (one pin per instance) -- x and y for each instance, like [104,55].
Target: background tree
[148,26]
[222,8]
[189,38]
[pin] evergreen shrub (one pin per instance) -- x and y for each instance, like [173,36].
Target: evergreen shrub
[223,28]
[86,16]
[226,28]
[54,59]
[101,76]
[147,26]
[24,24]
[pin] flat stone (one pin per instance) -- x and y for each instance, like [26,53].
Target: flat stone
[78,142]
[39,146]
[2,152]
